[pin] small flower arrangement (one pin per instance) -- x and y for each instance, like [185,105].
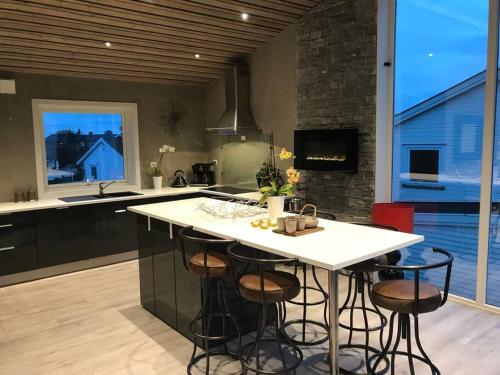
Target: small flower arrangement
[156,166]
[277,186]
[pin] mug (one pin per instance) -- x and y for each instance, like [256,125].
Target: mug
[291,225]
[301,223]
[281,224]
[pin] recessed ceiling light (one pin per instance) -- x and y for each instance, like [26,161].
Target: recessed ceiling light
[107,44]
[197,55]
[244,16]
[430,54]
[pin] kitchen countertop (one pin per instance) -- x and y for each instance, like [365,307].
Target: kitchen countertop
[10,207]
[338,246]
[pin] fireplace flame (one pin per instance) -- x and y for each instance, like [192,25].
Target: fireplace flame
[337,158]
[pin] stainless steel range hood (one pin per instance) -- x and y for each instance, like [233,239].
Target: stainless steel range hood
[237,119]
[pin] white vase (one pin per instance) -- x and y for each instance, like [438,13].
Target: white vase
[157,180]
[276,207]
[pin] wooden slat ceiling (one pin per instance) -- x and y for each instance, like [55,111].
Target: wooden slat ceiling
[151,40]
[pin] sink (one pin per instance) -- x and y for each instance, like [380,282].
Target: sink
[117,194]
[83,198]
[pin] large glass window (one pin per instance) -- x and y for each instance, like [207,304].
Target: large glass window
[79,144]
[439,101]
[83,147]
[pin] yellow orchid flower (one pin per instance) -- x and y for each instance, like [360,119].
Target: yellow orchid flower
[284,154]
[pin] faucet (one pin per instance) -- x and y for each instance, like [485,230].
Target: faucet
[104,185]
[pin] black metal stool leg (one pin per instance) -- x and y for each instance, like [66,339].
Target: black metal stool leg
[213,290]
[305,303]
[434,369]
[360,284]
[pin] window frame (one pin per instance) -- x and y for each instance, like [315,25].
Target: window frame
[130,137]
[419,147]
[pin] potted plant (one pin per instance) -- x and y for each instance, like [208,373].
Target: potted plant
[274,193]
[156,171]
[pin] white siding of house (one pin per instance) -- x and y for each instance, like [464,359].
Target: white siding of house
[108,162]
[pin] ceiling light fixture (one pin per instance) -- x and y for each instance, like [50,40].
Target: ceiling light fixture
[197,55]
[430,54]
[244,16]
[107,44]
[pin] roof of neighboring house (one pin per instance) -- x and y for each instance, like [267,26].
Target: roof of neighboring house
[89,140]
[94,147]
[442,97]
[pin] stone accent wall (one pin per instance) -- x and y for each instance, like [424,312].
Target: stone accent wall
[336,74]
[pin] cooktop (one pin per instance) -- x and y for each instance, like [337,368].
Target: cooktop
[230,189]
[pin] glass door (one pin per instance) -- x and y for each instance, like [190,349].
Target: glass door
[439,102]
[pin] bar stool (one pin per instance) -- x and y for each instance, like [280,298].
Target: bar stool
[269,288]
[360,274]
[211,266]
[306,303]
[405,298]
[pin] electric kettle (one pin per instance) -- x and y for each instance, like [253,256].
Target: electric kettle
[179,179]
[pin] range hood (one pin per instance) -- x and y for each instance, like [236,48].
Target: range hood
[237,119]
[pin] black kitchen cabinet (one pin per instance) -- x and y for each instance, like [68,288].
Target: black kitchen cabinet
[17,243]
[146,275]
[187,285]
[113,229]
[164,273]
[63,235]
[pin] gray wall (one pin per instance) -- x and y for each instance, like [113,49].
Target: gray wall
[336,72]
[273,101]
[17,158]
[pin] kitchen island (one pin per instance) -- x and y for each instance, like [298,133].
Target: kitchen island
[338,246]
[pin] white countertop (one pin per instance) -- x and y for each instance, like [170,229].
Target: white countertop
[338,246]
[41,204]
[9,207]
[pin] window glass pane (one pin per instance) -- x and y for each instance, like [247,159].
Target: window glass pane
[439,86]
[493,277]
[83,147]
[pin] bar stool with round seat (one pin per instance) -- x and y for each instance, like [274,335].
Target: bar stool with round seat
[405,298]
[306,303]
[269,288]
[360,275]
[211,266]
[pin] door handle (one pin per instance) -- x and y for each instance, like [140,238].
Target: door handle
[6,225]
[7,248]
[120,211]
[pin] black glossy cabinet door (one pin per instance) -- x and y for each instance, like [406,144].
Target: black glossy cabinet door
[113,229]
[188,286]
[146,275]
[164,273]
[17,243]
[63,235]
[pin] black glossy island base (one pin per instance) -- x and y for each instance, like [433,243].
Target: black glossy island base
[171,292]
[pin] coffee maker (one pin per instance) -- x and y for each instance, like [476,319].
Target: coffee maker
[203,174]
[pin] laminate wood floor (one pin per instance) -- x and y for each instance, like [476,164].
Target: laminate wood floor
[91,322]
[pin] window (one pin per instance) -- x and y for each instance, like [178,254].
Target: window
[424,165]
[79,144]
[437,99]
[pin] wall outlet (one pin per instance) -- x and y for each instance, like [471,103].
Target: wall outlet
[214,162]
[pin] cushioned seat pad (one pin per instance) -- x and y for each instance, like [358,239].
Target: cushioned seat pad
[368,265]
[278,287]
[217,264]
[399,295]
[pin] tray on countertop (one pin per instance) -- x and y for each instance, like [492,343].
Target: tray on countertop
[299,233]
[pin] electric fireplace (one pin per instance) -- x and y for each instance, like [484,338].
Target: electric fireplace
[327,150]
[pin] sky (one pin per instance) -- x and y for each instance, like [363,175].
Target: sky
[97,123]
[439,43]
